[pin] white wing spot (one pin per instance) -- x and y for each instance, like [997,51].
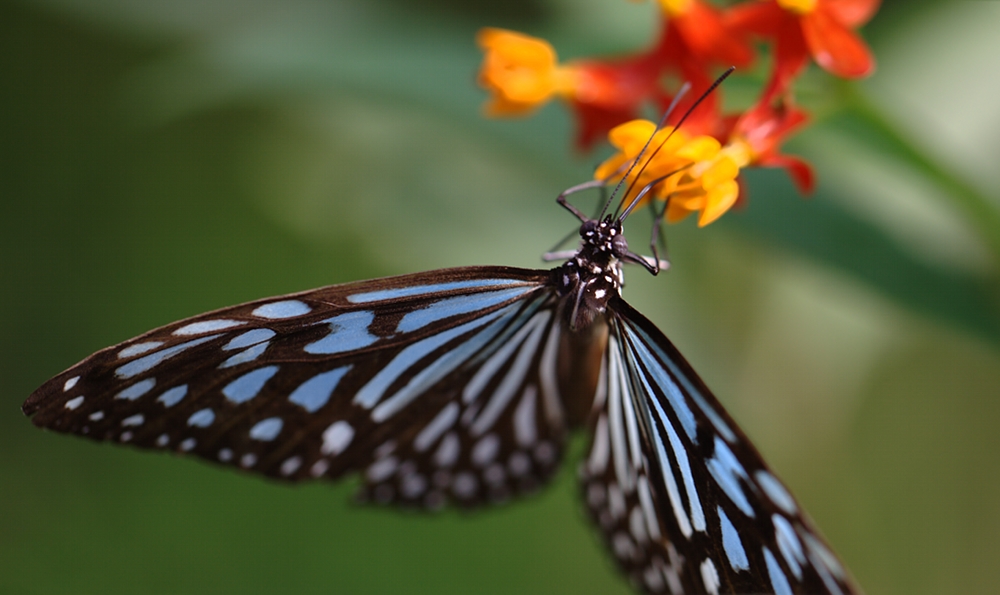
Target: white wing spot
[248,460]
[545,453]
[413,486]
[447,451]
[637,525]
[623,546]
[188,443]
[672,572]
[137,349]
[524,418]
[247,355]
[788,544]
[319,467]
[226,455]
[70,383]
[201,418]
[616,501]
[267,429]
[336,438]
[248,385]
[439,425]
[465,485]
[283,309]
[775,491]
[148,362]
[731,543]
[596,495]
[649,511]
[494,474]
[710,577]
[96,416]
[385,449]
[347,332]
[519,464]
[206,326]
[653,579]
[822,554]
[779,582]
[173,396]
[126,436]
[133,420]
[485,450]
[248,338]
[137,390]
[74,402]
[162,440]
[600,450]
[313,394]
[291,465]
[382,469]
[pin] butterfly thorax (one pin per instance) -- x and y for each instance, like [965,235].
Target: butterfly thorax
[594,275]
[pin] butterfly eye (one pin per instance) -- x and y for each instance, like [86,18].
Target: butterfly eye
[588,228]
[619,247]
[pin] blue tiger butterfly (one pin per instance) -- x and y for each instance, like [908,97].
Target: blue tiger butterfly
[460,386]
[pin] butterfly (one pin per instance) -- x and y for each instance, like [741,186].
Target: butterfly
[460,386]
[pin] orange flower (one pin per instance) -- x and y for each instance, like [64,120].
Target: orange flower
[699,175]
[521,72]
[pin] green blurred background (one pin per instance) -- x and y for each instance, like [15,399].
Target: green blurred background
[164,159]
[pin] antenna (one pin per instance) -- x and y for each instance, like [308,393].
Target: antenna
[628,209]
[673,104]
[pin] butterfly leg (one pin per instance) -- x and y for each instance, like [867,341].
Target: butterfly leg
[563,202]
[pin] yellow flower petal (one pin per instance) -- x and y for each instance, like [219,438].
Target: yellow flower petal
[699,148]
[625,136]
[612,167]
[719,200]
[798,6]
[676,212]
[675,7]
[722,170]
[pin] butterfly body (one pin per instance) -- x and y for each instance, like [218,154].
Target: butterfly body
[461,386]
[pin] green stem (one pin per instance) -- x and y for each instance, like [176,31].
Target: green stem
[980,212]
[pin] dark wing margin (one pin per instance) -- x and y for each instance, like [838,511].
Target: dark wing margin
[437,386]
[685,501]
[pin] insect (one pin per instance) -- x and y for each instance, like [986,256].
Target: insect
[460,386]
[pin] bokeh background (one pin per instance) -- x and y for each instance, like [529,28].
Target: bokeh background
[160,159]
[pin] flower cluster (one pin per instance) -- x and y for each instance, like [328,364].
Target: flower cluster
[696,169]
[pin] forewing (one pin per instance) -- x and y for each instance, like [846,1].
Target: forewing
[685,502]
[434,385]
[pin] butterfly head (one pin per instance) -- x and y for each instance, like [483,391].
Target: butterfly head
[603,239]
[594,275]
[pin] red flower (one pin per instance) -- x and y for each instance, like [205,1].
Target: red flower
[821,29]
[695,36]
[763,128]
[610,93]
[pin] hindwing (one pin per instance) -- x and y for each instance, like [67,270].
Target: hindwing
[686,503]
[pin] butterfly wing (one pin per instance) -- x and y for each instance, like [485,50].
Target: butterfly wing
[438,386]
[685,501]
